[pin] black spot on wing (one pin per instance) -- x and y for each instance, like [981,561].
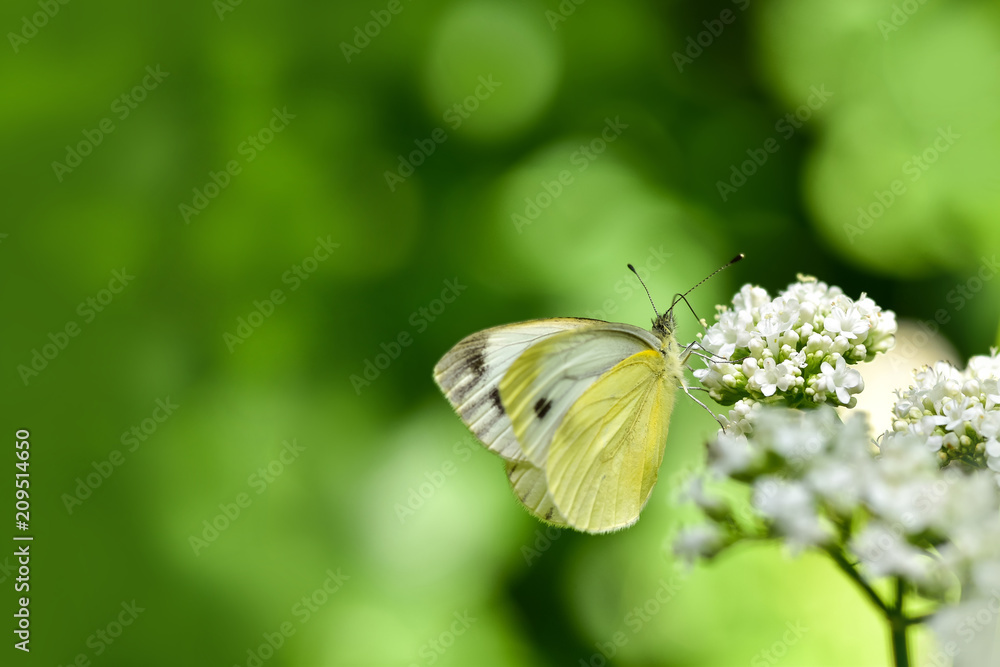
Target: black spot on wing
[476,358]
[486,406]
[542,407]
[548,515]
[466,373]
[495,397]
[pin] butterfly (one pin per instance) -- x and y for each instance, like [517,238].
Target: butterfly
[577,408]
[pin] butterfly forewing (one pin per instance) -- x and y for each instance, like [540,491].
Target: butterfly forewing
[470,373]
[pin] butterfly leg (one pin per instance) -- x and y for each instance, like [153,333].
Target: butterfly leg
[689,350]
[710,357]
[707,409]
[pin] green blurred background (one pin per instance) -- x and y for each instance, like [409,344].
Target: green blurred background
[586,135]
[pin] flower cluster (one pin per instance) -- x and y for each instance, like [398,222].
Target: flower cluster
[956,412]
[919,506]
[794,349]
[815,481]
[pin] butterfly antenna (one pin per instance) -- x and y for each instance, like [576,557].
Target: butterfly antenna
[650,296]
[680,297]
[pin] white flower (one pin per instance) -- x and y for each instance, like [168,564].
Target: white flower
[990,428]
[841,380]
[902,488]
[750,297]
[867,308]
[882,334]
[710,504]
[965,507]
[884,553]
[985,367]
[796,359]
[810,293]
[925,507]
[700,541]
[777,316]
[803,327]
[730,453]
[927,427]
[737,421]
[795,436]
[848,323]
[837,483]
[792,508]
[732,332]
[907,405]
[991,389]
[957,412]
[959,626]
[992,447]
[773,376]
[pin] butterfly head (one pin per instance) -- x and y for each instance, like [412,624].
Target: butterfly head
[663,325]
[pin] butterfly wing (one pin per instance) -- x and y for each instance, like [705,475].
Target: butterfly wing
[550,376]
[470,374]
[600,393]
[529,485]
[606,454]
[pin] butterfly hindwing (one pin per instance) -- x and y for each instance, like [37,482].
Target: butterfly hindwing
[606,454]
[528,484]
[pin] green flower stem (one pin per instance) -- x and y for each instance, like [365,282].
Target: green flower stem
[898,625]
[914,620]
[895,615]
[841,560]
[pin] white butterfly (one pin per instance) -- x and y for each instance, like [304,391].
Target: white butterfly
[577,408]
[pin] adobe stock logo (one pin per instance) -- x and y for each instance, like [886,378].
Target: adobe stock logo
[420,320]
[629,283]
[87,309]
[103,469]
[901,13]
[260,481]
[786,126]
[248,149]
[303,610]
[103,637]
[295,276]
[122,106]
[581,158]
[565,9]
[779,649]
[372,29]
[431,482]
[915,167]
[432,650]
[636,619]
[696,44]
[454,116]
